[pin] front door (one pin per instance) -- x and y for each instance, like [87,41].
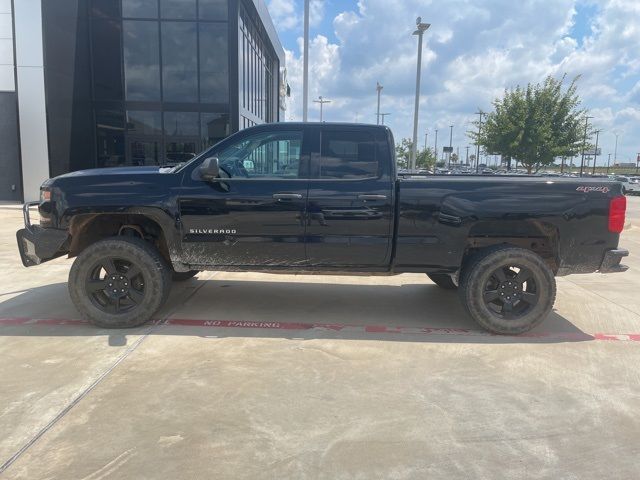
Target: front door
[254,215]
[350,203]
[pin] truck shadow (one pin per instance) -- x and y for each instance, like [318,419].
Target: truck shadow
[216,308]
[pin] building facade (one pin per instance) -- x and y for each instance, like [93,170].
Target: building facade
[103,83]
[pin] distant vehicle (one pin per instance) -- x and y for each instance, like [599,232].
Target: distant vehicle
[238,206]
[629,187]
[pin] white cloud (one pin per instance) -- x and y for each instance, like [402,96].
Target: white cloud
[288,14]
[472,52]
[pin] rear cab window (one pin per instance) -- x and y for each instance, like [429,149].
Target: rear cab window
[348,155]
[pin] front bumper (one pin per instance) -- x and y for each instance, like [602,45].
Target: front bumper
[611,261]
[38,245]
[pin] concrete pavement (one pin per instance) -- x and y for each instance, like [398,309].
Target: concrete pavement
[278,376]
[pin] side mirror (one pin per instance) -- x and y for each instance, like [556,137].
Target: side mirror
[209,169]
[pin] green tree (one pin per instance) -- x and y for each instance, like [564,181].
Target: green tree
[426,159]
[403,152]
[534,125]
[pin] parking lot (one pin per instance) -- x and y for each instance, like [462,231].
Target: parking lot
[262,376]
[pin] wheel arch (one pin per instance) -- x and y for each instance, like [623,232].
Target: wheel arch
[148,224]
[534,235]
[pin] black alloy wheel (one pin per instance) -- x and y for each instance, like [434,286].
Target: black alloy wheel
[119,282]
[115,285]
[506,289]
[511,291]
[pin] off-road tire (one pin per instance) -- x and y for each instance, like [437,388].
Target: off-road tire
[477,283]
[154,276]
[443,280]
[183,276]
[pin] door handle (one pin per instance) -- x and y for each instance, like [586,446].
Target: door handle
[372,197]
[287,196]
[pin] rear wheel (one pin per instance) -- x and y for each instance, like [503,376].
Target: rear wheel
[119,282]
[443,280]
[508,290]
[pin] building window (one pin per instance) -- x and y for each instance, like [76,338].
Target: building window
[214,63]
[181,124]
[179,62]
[144,123]
[213,10]
[105,8]
[213,128]
[257,66]
[110,138]
[139,8]
[141,60]
[105,36]
[178,9]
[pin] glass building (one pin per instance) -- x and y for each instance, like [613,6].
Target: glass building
[137,82]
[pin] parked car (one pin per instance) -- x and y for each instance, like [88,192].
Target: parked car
[321,198]
[629,186]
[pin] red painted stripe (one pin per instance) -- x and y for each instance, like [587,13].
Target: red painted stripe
[338,327]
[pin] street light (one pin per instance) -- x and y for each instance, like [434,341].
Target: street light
[595,153]
[450,145]
[305,64]
[584,142]
[480,113]
[321,101]
[420,29]
[435,147]
[426,137]
[378,89]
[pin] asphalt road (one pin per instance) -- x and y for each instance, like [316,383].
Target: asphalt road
[279,376]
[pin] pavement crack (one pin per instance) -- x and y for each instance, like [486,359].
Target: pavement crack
[94,384]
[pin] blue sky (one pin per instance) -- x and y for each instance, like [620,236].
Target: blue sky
[473,51]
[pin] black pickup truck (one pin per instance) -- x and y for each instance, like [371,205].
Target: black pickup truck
[308,198]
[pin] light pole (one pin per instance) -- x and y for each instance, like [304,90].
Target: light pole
[426,136]
[382,115]
[450,145]
[421,28]
[305,65]
[321,101]
[480,113]
[435,147]
[378,89]
[467,158]
[595,153]
[615,151]
[584,142]
[608,163]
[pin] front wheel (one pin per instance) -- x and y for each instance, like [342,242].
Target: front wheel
[507,290]
[119,282]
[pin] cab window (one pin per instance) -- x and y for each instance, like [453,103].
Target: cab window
[265,155]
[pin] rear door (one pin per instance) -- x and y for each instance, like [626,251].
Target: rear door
[350,202]
[255,217]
